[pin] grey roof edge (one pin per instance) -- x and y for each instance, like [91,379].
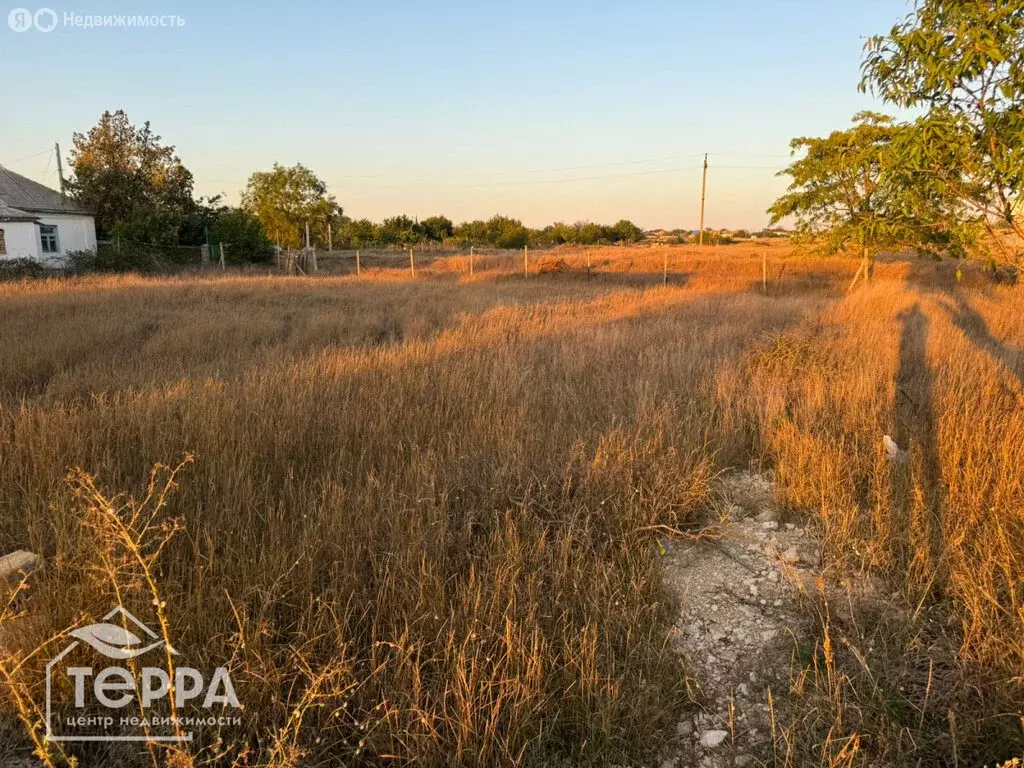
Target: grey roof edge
[24,195]
[13,214]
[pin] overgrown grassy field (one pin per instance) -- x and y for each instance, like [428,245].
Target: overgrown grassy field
[420,519]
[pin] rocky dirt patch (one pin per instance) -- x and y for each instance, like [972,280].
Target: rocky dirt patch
[738,594]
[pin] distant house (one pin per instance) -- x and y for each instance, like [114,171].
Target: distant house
[39,223]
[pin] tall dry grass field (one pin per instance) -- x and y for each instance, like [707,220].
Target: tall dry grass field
[420,521]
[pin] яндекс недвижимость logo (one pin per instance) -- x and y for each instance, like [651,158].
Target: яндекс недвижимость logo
[133,701]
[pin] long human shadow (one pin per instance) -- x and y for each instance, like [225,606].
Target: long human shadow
[915,432]
[974,327]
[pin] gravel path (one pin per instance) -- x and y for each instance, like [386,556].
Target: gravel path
[738,596]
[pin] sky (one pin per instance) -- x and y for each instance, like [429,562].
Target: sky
[545,111]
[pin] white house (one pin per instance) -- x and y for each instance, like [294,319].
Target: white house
[39,223]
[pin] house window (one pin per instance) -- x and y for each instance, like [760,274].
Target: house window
[48,235]
[3,244]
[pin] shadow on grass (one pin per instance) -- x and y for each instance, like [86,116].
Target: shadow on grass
[974,327]
[918,490]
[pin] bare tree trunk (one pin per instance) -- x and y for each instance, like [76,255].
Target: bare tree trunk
[865,264]
[1019,231]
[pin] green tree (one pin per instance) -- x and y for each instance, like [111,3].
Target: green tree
[963,62]
[244,235]
[626,231]
[850,191]
[213,222]
[285,199]
[358,233]
[398,230]
[437,228]
[504,232]
[137,187]
[471,232]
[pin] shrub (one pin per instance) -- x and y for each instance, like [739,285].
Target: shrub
[17,269]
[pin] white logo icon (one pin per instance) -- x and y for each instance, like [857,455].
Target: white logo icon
[45,19]
[116,642]
[20,19]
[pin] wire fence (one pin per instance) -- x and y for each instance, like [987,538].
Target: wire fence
[650,260]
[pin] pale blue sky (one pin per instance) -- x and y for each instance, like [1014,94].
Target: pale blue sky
[540,110]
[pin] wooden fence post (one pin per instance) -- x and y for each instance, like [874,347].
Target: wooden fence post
[471,260]
[223,264]
[358,270]
[526,261]
[764,270]
[412,263]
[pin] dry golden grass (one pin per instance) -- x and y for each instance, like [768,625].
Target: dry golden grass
[419,512]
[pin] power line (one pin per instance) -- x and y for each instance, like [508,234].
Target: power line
[379,176]
[29,157]
[754,167]
[46,173]
[519,183]
[505,173]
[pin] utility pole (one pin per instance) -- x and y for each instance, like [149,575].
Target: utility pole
[703,197]
[60,171]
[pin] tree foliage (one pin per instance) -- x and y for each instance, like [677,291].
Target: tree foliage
[437,228]
[838,190]
[285,199]
[137,187]
[850,190]
[963,62]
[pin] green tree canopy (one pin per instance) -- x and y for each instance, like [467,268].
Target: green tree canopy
[285,199]
[358,233]
[137,187]
[850,191]
[964,63]
[398,230]
[437,228]
[626,231]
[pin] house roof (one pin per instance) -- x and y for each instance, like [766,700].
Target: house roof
[13,214]
[26,197]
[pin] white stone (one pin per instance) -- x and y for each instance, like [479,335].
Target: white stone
[18,563]
[712,739]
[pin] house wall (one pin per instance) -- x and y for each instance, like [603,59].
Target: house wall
[22,238]
[74,233]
